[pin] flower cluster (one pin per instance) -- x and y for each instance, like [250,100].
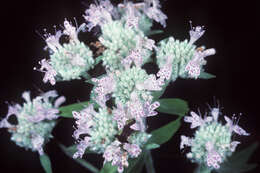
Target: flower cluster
[114,124]
[125,49]
[212,142]
[124,45]
[68,61]
[99,131]
[36,119]
[187,60]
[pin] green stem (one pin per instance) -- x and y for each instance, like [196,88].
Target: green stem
[202,169]
[149,162]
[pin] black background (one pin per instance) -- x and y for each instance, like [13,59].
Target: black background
[231,28]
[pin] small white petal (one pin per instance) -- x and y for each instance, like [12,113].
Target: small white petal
[233,145]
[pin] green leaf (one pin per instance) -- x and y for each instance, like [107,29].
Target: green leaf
[66,111]
[173,106]
[205,75]
[108,168]
[152,146]
[46,163]
[237,163]
[69,151]
[163,134]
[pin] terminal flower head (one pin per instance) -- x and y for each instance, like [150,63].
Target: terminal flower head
[213,141]
[36,119]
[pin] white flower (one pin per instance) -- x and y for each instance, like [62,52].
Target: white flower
[84,121]
[115,154]
[105,86]
[213,157]
[185,141]
[194,65]
[196,120]
[152,10]
[233,145]
[234,127]
[134,56]
[120,115]
[81,147]
[70,31]
[99,14]
[215,113]
[165,71]
[52,41]
[12,110]
[50,73]
[133,149]
[196,33]
[37,143]
[151,84]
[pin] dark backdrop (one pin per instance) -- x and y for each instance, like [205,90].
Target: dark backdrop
[231,28]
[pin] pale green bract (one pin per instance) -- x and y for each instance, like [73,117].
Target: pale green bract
[211,132]
[119,40]
[72,60]
[103,131]
[181,52]
[126,83]
[139,138]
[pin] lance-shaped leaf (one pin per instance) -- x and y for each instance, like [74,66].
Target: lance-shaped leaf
[163,134]
[152,146]
[66,111]
[237,163]
[204,75]
[173,106]
[46,163]
[69,151]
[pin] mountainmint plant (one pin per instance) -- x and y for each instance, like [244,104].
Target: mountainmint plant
[113,122]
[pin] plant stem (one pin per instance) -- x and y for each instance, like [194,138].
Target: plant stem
[149,162]
[202,169]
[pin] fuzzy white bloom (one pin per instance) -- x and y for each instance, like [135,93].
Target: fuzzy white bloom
[193,67]
[36,119]
[37,143]
[196,33]
[133,149]
[50,73]
[105,86]
[152,10]
[196,120]
[212,142]
[235,128]
[115,154]
[52,41]
[99,14]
